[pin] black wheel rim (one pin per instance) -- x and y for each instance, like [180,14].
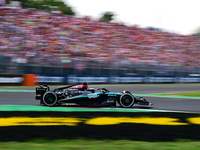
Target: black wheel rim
[126,101]
[50,99]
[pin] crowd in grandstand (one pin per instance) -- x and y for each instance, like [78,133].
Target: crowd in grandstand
[38,37]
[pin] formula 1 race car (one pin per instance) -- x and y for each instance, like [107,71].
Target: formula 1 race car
[81,95]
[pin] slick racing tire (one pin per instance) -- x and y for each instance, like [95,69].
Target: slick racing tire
[126,100]
[49,98]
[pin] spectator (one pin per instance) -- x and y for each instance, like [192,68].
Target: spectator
[44,38]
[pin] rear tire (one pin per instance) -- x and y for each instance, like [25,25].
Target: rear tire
[126,100]
[49,98]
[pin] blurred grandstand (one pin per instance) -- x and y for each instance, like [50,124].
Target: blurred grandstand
[33,41]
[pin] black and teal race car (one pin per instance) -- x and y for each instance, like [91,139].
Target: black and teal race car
[81,95]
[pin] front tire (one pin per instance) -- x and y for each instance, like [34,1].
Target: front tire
[49,98]
[126,100]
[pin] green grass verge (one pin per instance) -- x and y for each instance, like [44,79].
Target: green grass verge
[99,145]
[191,94]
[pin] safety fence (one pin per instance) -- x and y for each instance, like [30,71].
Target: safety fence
[89,68]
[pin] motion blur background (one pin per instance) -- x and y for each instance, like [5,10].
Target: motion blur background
[47,37]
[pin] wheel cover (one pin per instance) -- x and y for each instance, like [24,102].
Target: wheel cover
[126,100]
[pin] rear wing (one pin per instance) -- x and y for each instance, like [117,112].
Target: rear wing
[40,91]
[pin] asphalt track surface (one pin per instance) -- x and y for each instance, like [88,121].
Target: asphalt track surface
[159,103]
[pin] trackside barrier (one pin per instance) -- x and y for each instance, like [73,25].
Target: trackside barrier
[30,79]
[35,79]
[109,79]
[11,79]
